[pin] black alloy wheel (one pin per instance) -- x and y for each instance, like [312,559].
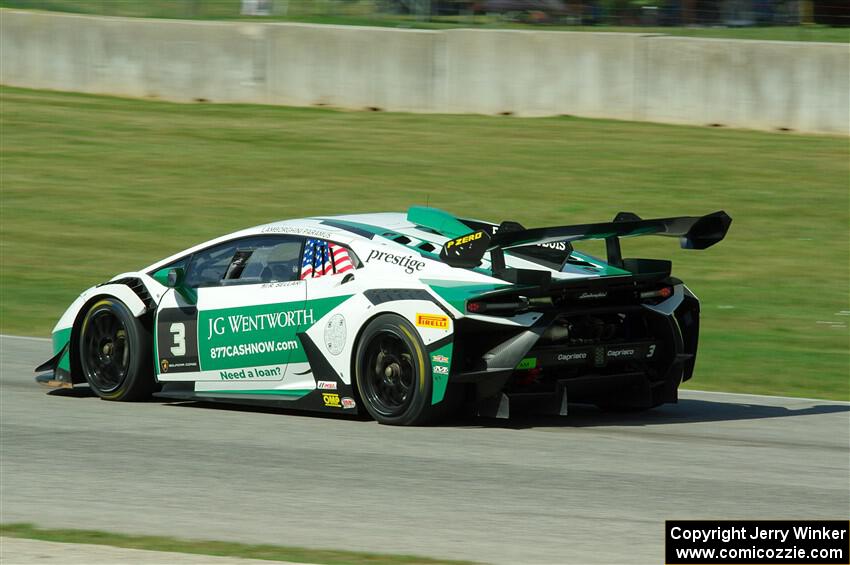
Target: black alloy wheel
[106,354]
[394,372]
[389,374]
[114,352]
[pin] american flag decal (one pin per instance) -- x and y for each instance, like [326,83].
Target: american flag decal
[323,258]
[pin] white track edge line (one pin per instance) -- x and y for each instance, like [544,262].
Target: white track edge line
[9,336]
[763,395]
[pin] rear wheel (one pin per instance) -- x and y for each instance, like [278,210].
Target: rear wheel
[394,372]
[114,352]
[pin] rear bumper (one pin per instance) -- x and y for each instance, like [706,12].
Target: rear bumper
[614,372]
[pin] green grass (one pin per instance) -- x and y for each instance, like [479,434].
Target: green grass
[366,13]
[217,548]
[94,186]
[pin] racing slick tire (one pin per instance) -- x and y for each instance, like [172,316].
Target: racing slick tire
[393,373]
[114,350]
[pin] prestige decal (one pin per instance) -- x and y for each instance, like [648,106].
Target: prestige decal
[241,323]
[432,321]
[410,264]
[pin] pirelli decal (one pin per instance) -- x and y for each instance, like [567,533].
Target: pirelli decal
[434,321]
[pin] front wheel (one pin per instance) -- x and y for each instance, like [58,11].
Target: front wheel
[394,372]
[114,351]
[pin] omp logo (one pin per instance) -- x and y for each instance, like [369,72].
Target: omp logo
[331,400]
[465,239]
[432,321]
[405,261]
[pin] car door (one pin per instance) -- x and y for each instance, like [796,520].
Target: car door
[234,320]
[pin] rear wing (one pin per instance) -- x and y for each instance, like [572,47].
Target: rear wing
[694,232]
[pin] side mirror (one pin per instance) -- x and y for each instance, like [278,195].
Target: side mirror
[170,277]
[176,277]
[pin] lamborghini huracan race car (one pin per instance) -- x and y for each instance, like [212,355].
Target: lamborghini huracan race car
[404,316]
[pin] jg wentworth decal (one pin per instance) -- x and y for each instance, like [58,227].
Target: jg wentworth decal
[258,336]
[240,323]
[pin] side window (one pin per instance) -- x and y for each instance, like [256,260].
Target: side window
[249,260]
[326,258]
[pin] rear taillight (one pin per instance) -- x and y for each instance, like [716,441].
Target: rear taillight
[663,292]
[502,308]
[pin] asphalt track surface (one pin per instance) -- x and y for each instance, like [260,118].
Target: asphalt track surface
[588,488]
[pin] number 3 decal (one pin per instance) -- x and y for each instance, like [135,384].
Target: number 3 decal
[178,330]
[648,355]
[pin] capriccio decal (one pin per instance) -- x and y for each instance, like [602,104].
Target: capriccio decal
[409,263]
[572,356]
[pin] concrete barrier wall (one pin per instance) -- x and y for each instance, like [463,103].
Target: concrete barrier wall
[748,84]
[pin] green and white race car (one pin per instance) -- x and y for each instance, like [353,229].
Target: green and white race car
[407,317]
